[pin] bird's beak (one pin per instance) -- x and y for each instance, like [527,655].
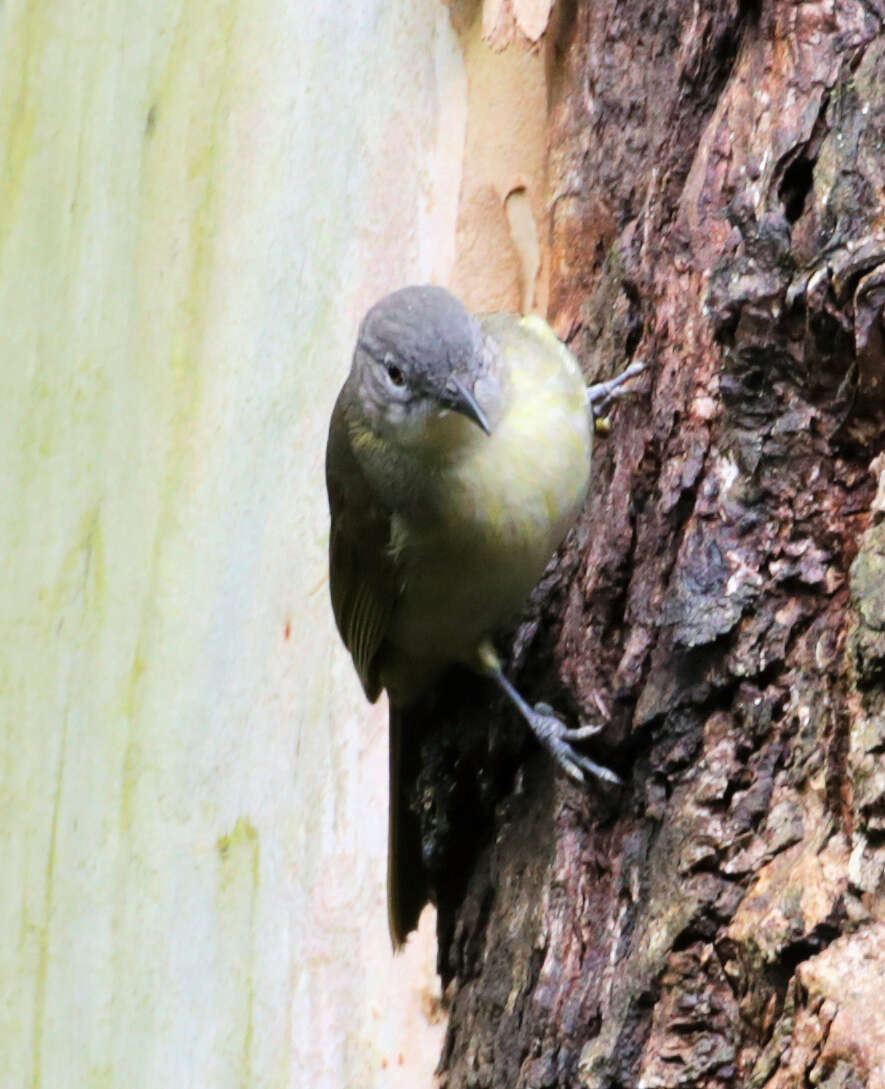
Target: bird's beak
[460,399]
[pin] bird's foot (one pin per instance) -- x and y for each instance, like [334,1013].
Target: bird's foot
[559,739]
[604,394]
[552,731]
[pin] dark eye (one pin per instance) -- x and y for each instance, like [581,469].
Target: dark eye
[395,374]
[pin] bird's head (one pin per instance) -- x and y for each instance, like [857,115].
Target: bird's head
[419,358]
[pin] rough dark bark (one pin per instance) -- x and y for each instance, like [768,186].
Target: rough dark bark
[717,175]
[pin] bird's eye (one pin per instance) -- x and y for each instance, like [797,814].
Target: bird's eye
[395,374]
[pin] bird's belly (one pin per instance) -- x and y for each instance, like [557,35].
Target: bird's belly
[468,570]
[450,603]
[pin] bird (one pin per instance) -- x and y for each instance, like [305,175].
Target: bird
[458,458]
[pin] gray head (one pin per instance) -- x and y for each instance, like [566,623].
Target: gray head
[418,355]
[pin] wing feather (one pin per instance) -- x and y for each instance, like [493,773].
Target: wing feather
[362,570]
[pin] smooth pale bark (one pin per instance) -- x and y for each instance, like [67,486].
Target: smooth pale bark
[197,201]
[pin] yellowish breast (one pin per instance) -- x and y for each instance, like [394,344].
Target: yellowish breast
[503,506]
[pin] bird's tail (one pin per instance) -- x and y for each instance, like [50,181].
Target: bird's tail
[407,881]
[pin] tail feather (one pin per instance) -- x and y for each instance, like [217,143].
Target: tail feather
[407,884]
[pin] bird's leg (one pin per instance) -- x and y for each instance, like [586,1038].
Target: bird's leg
[548,727]
[602,393]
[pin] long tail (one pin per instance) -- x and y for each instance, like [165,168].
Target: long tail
[407,884]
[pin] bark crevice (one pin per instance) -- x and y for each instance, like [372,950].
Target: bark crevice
[713,176]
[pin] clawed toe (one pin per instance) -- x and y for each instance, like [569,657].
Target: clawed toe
[552,731]
[581,733]
[568,733]
[599,770]
[559,739]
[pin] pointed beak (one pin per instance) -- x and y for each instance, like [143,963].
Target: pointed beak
[460,399]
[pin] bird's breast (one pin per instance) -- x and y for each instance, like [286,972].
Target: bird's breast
[490,521]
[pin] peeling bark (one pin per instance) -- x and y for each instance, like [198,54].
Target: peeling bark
[716,181]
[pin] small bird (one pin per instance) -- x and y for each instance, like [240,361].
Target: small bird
[458,458]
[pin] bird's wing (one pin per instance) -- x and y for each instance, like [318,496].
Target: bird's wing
[362,570]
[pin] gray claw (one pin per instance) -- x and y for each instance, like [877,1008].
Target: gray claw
[600,394]
[572,770]
[581,733]
[558,739]
[599,770]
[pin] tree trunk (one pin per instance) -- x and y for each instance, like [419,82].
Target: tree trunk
[716,176]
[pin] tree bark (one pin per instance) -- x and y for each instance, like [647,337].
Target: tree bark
[716,177]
